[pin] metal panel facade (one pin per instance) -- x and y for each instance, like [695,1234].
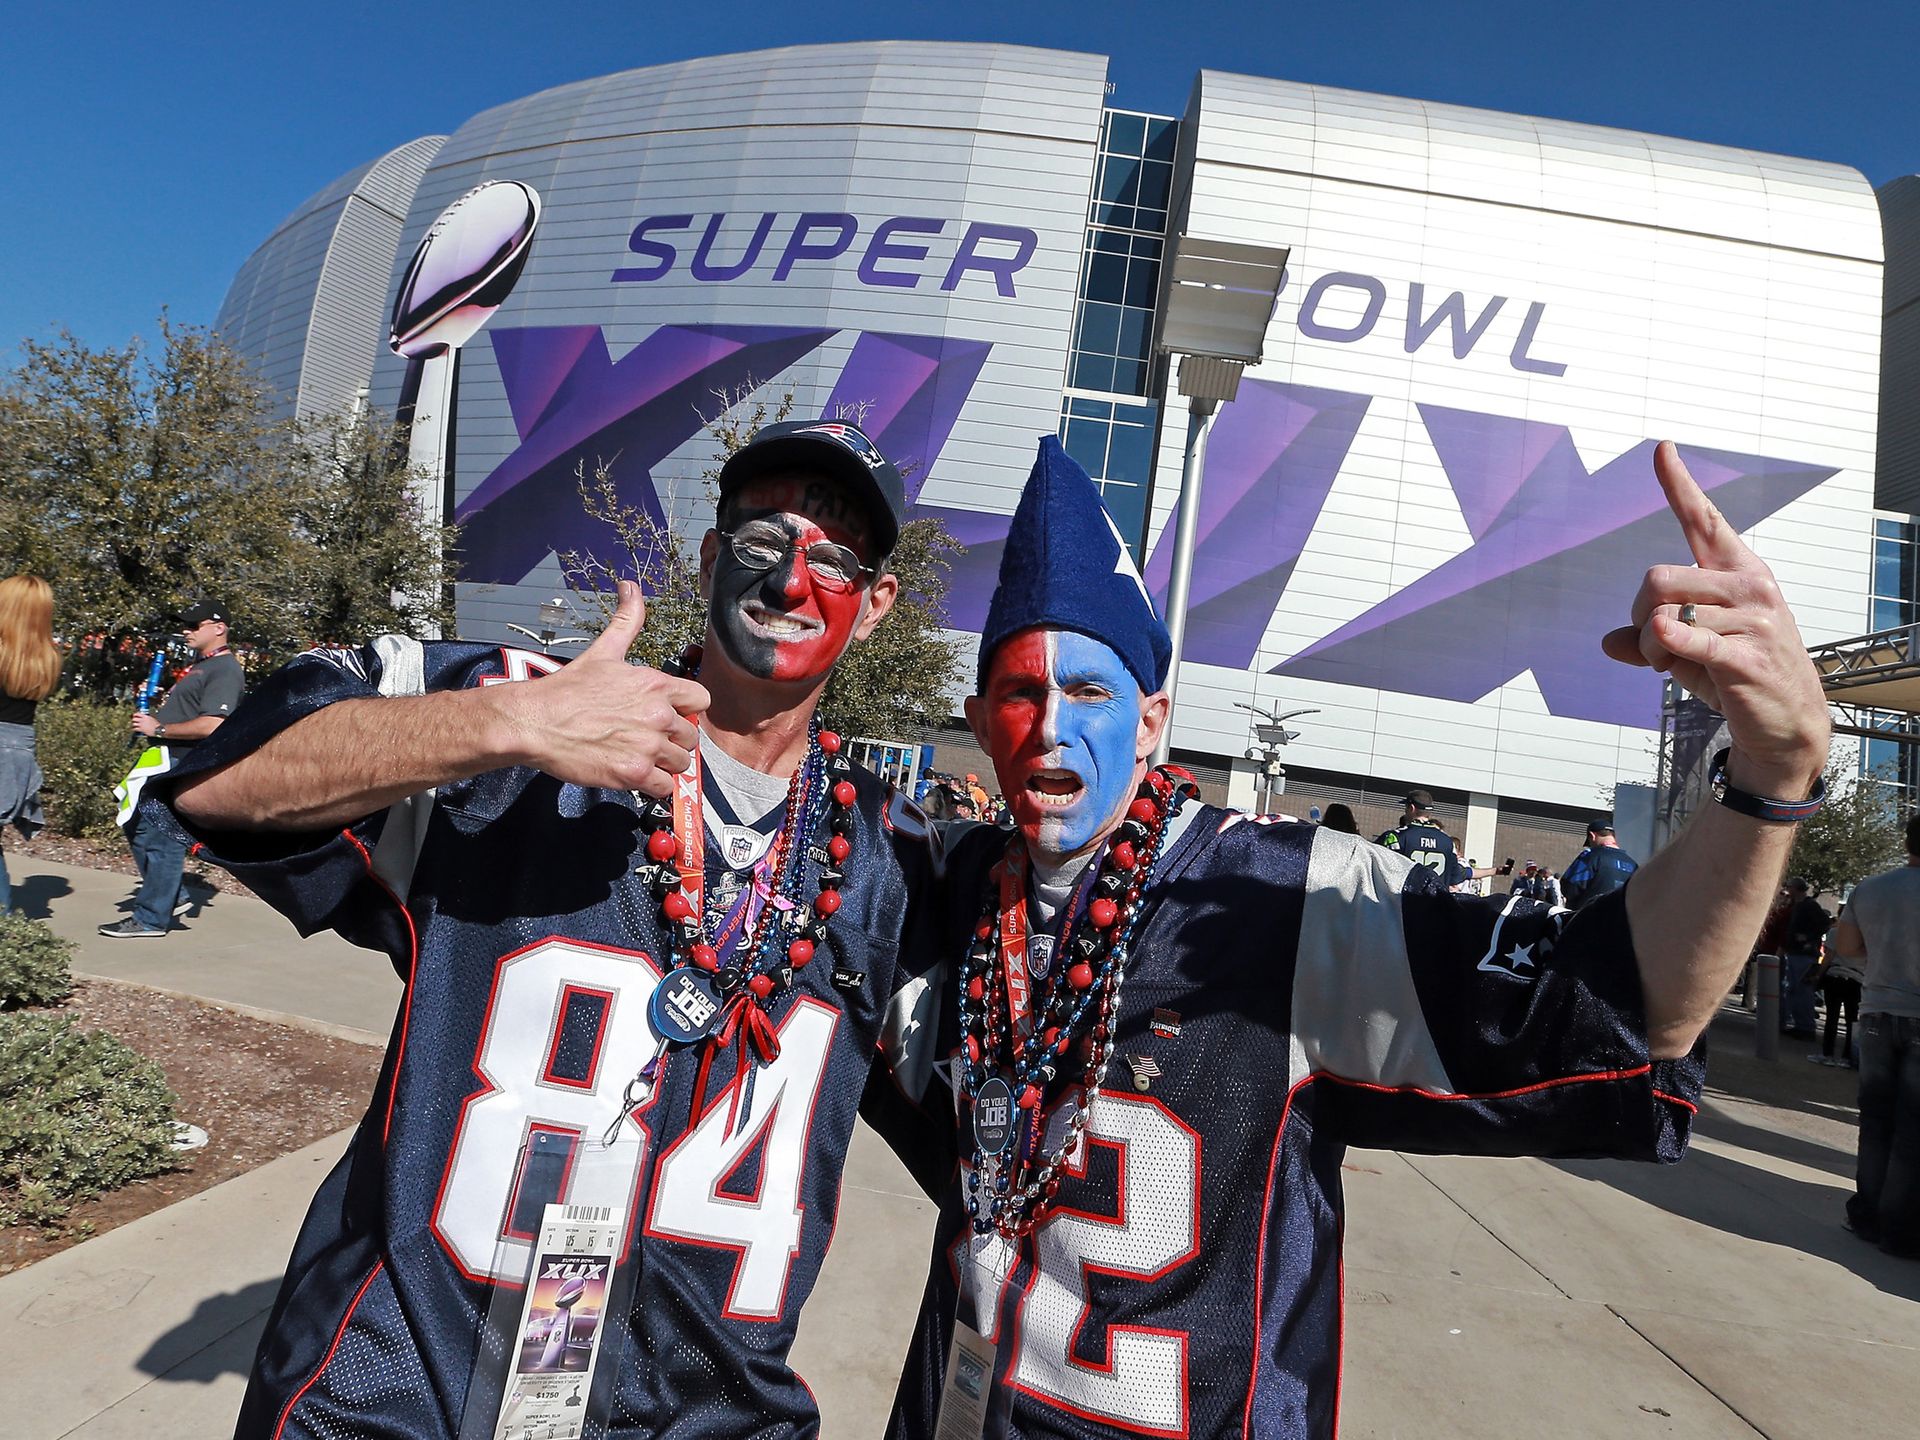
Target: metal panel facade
[1434,495]
[893,227]
[309,305]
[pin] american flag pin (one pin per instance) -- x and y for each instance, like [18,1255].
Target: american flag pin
[1145,1070]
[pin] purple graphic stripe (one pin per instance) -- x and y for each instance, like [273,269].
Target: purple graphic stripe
[909,390]
[574,407]
[1271,459]
[1554,568]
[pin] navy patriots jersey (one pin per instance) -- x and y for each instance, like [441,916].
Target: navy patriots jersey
[1430,846]
[529,948]
[1292,991]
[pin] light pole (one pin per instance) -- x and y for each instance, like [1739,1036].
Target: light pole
[1271,736]
[462,272]
[554,614]
[1219,297]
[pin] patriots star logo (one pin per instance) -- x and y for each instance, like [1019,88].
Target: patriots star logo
[1123,562]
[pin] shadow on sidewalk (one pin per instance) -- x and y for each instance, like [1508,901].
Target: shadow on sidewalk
[217,1339]
[1727,1194]
[34,895]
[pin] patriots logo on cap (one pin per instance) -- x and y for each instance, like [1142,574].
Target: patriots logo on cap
[851,437]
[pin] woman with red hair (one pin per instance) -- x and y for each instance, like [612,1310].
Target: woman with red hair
[29,669]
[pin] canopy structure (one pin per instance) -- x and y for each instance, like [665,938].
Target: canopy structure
[1880,671]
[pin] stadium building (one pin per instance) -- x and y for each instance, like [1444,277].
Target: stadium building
[1420,513]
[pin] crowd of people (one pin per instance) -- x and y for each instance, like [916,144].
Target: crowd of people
[181,710]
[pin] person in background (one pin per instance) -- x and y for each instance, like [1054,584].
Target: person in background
[1527,882]
[1840,977]
[29,670]
[1599,869]
[196,705]
[1422,839]
[978,794]
[1807,922]
[1340,817]
[1882,927]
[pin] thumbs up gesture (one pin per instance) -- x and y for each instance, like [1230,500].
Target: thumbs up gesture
[601,722]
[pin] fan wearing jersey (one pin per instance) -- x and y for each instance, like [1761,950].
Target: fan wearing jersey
[1167,1024]
[649,926]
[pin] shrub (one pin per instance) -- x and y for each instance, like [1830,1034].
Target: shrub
[80,1113]
[84,753]
[34,968]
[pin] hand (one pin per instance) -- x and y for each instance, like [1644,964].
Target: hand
[144,723]
[1742,655]
[602,722]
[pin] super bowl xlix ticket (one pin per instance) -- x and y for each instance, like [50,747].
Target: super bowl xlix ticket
[557,1342]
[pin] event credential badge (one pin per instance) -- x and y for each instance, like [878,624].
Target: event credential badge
[558,1340]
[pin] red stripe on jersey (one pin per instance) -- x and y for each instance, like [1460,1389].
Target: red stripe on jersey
[413,960]
[327,1359]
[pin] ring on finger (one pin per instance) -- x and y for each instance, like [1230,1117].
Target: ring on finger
[1688,614]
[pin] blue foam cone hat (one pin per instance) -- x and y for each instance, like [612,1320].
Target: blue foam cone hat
[1065,565]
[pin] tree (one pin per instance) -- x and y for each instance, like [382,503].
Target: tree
[897,681]
[1856,834]
[136,479]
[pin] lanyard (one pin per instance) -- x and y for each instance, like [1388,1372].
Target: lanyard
[1013,946]
[690,859]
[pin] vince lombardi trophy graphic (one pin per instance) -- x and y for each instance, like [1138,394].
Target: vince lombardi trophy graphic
[463,271]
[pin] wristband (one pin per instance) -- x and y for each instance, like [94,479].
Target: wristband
[1759,807]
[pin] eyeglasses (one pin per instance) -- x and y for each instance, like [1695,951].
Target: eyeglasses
[761,547]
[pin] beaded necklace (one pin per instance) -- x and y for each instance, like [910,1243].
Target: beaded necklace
[1006,1066]
[700,999]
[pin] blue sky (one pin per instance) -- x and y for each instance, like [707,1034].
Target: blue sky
[148,149]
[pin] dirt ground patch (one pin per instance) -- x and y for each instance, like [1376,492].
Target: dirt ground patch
[260,1089]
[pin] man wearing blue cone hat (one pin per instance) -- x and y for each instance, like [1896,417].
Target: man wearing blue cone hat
[1166,1025]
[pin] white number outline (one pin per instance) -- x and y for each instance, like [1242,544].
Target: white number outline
[764,1121]
[1026,1367]
[521,665]
[635,997]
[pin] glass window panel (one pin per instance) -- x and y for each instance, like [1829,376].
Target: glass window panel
[1087,442]
[1100,327]
[1090,409]
[1127,504]
[1127,134]
[1135,328]
[1148,219]
[1092,372]
[1882,758]
[1156,180]
[1129,377]
[1162,136]
[1107,278]
[1887,529]
[1886,569]
[1112,242]
[1146,247]
[1130,454]
[1143,283]
[1120,180]
[1886,614]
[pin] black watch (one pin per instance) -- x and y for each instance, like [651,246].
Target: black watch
[1778,812]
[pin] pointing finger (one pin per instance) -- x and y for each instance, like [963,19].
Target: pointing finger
[1714,543]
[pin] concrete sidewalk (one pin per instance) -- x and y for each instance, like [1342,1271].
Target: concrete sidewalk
[1486,1298]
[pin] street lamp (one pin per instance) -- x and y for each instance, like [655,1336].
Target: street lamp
[1219,297]
[1271,733]
[554,614]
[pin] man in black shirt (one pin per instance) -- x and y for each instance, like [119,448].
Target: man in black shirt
[194,708]
[1600,869]
[1807,922]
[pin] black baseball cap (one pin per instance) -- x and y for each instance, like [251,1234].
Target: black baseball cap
[200,612]
[829,447]
[1419,799]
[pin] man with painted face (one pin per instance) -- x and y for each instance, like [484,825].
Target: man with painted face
[649,927]
[1166,1025]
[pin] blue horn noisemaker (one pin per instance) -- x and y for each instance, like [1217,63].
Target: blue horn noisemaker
[1065,565]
